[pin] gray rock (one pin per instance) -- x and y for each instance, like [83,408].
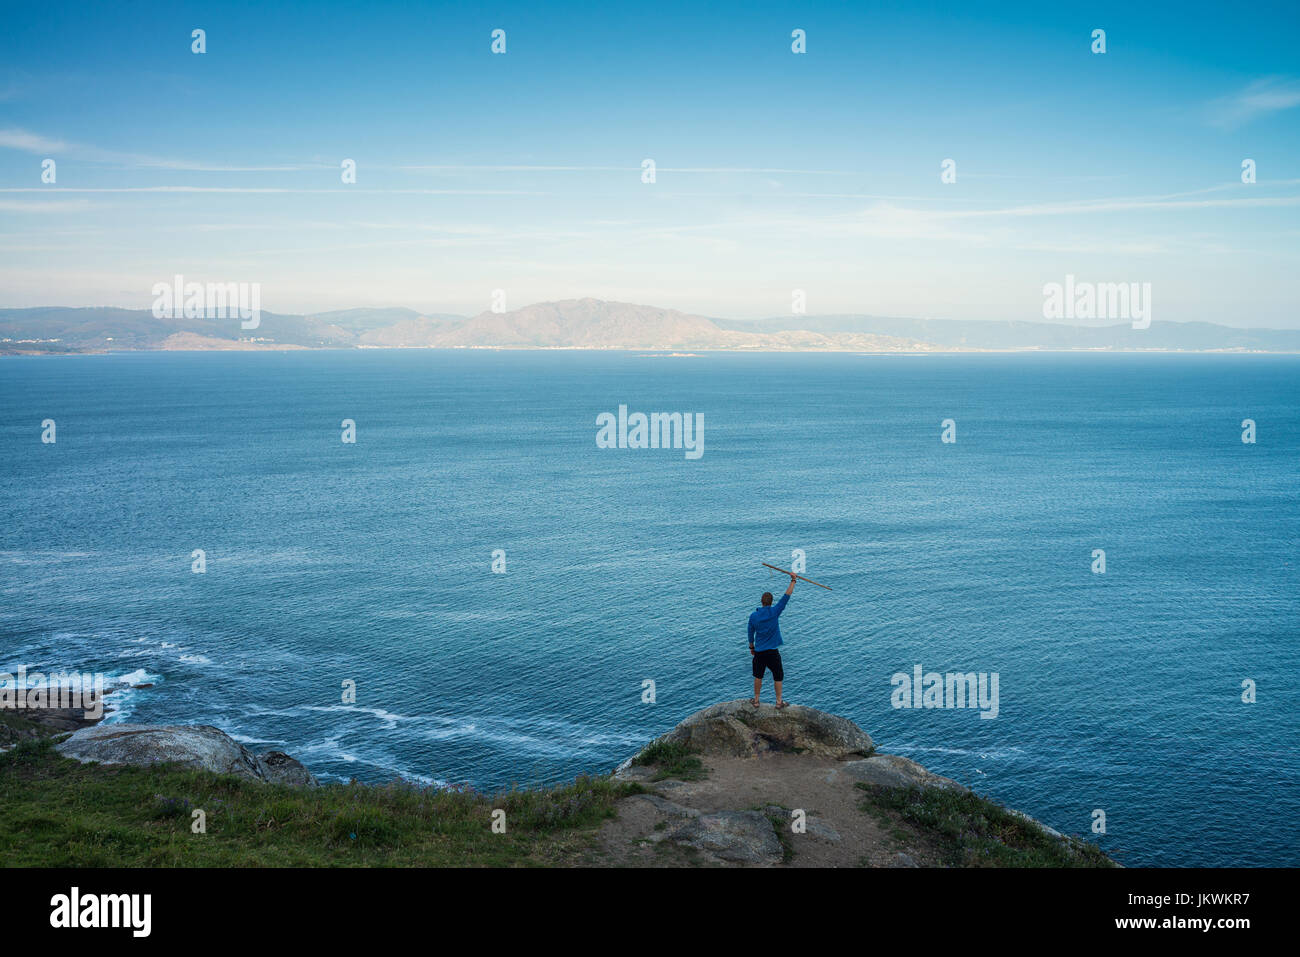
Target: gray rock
[816,826]
[279,768]
[821,828]
[904,860]
[55,720]
[893,771]
[743,837]
[202,747]
[627,771]
[738,729]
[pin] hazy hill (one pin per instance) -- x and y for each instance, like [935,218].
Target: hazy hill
[381,328]
[97,329]
[597,324]
[1015,334]
[591,324]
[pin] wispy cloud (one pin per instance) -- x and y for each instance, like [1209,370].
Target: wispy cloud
[1128,205]
[43,205]
[338,191]
[187,166]
[30,142]
[626,169]
[27,142]
[1261,97]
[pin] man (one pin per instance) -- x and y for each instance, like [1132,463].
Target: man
[764,638]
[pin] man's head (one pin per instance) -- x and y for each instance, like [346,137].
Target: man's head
[767,598]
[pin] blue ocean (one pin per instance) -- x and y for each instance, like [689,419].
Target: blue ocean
[330,562]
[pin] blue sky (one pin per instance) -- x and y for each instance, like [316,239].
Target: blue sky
[775,171]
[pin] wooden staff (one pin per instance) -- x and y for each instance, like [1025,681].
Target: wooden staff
[800,577]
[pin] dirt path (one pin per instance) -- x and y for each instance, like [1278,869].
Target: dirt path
[721,820]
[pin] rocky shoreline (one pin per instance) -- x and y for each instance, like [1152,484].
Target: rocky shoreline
[40,722]
[746,773]
[202,747]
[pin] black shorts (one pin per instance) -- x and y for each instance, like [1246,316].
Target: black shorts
[769,659]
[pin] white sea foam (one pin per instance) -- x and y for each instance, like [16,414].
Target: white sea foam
[331,747]
[119,706]
[380,713]
[994,755]
[137,677]
[248,739]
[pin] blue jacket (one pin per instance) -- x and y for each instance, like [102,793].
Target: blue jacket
[764,632]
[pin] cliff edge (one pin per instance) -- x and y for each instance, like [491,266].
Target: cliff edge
[731,785]
[736,784]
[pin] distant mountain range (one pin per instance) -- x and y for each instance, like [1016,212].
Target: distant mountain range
[596,324]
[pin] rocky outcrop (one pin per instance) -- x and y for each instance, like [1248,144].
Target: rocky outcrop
[39,721]
[893,771]
[279,768]
[202,747]
[55,720]
[738,729]
[724,830]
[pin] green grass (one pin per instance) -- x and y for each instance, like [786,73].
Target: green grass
[671,759]
[61,813]
[975,832]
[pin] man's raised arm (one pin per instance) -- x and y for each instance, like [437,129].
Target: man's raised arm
[780,605]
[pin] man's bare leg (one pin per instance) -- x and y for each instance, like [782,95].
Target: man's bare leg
[779,702]
[758,687]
